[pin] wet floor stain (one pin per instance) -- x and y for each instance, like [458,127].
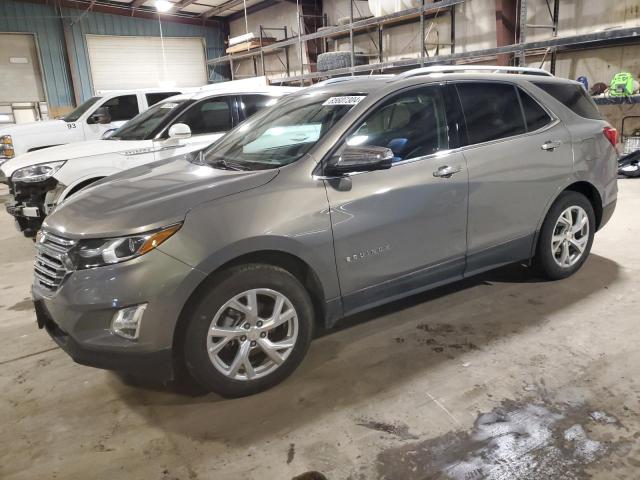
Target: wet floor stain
[443,337]
[527,441]
[23,306]
[398,429]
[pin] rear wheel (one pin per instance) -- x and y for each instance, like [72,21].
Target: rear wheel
[566,236]
[249,331]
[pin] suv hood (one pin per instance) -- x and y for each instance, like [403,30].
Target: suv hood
[75,150]
[147,197]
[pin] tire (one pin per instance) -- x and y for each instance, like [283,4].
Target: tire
[555,229]
[217,334]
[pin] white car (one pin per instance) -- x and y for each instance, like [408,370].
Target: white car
[106,111]
[40,180]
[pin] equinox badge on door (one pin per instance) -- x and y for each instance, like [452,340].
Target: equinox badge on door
[368,253]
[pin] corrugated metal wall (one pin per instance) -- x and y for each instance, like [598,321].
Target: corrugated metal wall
[46,22]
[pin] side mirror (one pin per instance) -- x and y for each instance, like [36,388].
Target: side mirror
[359,159]
[101,116]
[179,131]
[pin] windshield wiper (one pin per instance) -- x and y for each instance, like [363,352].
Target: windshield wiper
[227,165]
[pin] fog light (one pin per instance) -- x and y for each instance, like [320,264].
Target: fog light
[126,322]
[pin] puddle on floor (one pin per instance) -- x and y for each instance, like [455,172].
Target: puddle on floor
[518,440]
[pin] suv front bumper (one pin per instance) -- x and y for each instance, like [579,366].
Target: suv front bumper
[79,313]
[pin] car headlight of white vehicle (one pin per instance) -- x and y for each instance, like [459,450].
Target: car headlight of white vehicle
[36,173]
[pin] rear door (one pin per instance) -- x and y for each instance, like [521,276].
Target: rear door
[518,154]
[397,230]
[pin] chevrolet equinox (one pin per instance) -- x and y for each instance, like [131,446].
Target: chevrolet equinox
[340,197]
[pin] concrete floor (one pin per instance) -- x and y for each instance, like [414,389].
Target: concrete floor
[498,377]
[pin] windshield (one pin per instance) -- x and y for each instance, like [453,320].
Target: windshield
[83,107]
[143,126]
[282,134]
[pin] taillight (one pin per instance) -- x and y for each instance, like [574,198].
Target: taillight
[612,135]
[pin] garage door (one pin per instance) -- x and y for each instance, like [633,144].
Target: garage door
[20,79]
[136,62]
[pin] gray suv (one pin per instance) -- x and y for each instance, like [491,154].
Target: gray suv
[340,197]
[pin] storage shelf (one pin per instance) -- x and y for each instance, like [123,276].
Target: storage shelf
[345,30]
[592,40]
[631,99]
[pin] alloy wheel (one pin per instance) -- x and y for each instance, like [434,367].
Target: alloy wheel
[570,236]
[252,334]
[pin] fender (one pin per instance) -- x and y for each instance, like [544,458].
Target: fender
[323,269]
[96,174]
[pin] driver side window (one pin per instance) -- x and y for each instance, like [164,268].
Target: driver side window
[124,107]
[209,116]
[412,124]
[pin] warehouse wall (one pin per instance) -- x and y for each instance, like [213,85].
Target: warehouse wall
[46,23]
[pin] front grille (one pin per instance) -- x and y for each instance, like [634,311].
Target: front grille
[52,260]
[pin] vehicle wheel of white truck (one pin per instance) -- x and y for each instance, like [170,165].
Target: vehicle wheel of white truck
[566,236]
[249,331]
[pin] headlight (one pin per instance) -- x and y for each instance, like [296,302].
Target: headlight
[6,147]
[36,173]
[107,251]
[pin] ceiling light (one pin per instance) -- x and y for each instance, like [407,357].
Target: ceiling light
[163,5]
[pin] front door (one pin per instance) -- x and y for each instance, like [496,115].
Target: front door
[208,120]
[121,109]
[398,230]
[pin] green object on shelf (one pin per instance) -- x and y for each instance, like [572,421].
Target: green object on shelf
[621,85]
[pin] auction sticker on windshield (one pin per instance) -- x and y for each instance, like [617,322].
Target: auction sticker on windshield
[345,100]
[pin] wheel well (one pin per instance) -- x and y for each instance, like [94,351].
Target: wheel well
[83,184]
[294,265]
[588,190]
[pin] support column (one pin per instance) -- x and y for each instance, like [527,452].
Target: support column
[506,29]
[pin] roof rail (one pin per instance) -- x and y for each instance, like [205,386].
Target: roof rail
[329,81]
[473,68]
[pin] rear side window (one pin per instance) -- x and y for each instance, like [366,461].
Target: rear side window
[572,96]
[535,116]
[491,110]
[153,98]
[254,103]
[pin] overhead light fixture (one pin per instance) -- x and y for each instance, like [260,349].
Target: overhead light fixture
[163,5]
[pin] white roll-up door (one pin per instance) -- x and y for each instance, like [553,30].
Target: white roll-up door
[137,62]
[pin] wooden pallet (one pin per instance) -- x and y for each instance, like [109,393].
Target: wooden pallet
[251,44]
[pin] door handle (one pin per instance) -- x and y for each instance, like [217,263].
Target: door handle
[446,171]
[550,146]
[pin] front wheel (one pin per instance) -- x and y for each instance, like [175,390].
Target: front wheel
[566,236]
[249,331]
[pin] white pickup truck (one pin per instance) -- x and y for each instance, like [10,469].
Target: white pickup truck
[103,112]
[40,180]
